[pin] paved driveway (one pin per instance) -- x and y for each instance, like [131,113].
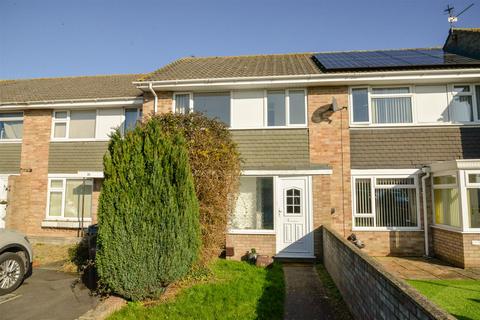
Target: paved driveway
[47,294]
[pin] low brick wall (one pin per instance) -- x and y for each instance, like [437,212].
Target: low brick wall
[369,291]
[242,243]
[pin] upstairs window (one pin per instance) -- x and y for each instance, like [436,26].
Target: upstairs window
[286,108]
[383,105]
[213,105]
[11,126]
[461,109]
[92,123]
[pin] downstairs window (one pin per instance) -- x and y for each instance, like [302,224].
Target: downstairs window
[254,208]
[69,199]
[385,202]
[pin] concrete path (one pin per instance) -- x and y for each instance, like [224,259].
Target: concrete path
[305,295]
[47,294]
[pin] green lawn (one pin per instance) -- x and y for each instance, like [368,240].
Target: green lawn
[238,291]
[459,297]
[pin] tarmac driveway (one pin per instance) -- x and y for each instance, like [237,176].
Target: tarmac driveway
[47,294]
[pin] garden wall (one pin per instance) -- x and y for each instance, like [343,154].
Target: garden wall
[369,291]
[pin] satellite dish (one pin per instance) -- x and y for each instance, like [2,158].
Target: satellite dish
[335,106]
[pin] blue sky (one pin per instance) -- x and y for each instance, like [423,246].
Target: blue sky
[52,38]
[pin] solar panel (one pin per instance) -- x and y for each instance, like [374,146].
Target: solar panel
[408,58]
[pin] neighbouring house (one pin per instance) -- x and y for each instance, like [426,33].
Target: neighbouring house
[384,144]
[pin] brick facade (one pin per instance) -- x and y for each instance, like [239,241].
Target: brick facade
[456,247]
[243,243]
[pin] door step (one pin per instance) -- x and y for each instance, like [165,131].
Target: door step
[295,260]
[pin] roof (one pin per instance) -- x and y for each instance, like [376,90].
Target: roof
[236,67]
[271,65]
[464,41]
[68,88]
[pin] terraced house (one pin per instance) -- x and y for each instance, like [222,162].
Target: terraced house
[383,144]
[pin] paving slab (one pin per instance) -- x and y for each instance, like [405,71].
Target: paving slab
[305,297]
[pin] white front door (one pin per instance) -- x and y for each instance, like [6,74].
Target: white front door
[3,200]
[294,223]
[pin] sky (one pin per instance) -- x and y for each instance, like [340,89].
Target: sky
[55,38]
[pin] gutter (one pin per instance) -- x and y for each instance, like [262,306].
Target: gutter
[425,170]
[155,98]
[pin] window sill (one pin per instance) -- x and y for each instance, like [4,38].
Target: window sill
[65,224]
[10,141]
[414,125]
[386,229]
[457,230]
[80,140]
[239,231]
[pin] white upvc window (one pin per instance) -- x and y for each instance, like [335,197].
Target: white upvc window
[11,126]
[92,124]
[255,206]
[69,199]
[423,104]
[385,202]
[446,200]
[472,181]
[462,106]
[244,109]
[386,105]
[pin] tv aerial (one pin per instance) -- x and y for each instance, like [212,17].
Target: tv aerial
[452,17]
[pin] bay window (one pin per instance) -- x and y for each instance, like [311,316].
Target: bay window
[11,126]
[385,202]
[254,206]
[69,199]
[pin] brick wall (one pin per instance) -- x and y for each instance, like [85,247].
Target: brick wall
[398,243]
[330,144]
[369,291]
[28,195]
[165,103]
[456,247]
[242,243]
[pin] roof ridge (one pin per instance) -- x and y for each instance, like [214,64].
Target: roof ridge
[380,50]
[74,77]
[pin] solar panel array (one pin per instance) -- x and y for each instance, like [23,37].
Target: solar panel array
[408,58]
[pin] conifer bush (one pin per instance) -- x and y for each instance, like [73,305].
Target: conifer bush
[148,214]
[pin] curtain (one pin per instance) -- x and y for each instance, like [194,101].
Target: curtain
[392,110]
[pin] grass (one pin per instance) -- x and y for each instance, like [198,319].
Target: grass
[461,298]
[53,256]
[236,290]
[335,297]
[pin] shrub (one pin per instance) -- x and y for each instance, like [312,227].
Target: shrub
[215,164]
[149,233]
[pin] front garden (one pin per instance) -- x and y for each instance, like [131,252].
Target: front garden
[234,290]
[461,298]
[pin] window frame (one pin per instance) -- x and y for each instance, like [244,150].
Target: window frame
[275,209]
[455,185]
[372,96]
[96,138]
[373,186]
[14,119]
[472,93]
[63,190]
[265,107]
[449,96]
[465,211]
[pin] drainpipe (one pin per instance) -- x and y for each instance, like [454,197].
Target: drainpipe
[155,98]
[425,170]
